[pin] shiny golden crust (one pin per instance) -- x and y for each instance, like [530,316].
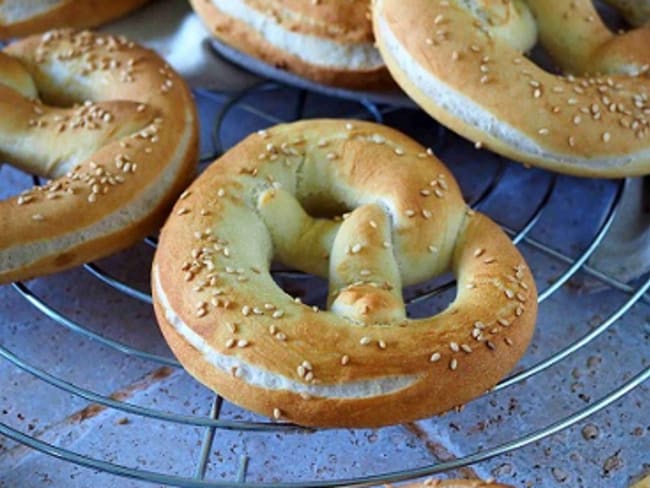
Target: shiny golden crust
[469,80]
[117,159]
[20,18]
[345,23]
[362,363]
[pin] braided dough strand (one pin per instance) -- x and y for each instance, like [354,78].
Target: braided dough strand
[116,134]
[369,209]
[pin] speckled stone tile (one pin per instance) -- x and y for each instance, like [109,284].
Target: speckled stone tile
[607,450]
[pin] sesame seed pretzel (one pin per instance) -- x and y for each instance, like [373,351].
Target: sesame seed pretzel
[363,362]
[594,121]
[19,17]
[111,126]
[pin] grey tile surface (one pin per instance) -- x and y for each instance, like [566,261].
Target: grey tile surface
[607,450]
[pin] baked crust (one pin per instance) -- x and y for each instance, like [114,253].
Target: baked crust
[344,23]
[117,159]
[19,18]
[492,94]
[363,363]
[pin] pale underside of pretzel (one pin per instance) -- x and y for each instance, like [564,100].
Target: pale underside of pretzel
[327,41]
[276,196]
[111,126]
[19,17]
[468,71]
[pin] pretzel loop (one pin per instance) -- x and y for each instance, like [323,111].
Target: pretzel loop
[114,129]
[592,121]
[371,211]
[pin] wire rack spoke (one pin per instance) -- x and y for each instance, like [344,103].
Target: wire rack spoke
[119,285]
[588,252]
[61,319]
[232,104]
[152,476]
[107,401]
[577,345]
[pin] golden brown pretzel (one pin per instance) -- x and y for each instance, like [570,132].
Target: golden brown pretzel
[116,131]
[362,363]
[329,41]
[20,17]
[464,72]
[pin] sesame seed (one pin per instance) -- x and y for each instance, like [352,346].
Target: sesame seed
[365,272]
[453,364]
[38,217]
[509,293]
[381,344]
[364,341]
[466,348]
[242,343]
[454,346]
[508,341]
[277,413]
[230,343]
[277,314]
[504,322]
[246,310]
[606,137]
[435,357]
[432,249]
[356,248]
[479,252]
[345,359]
[409,212]
[489,260]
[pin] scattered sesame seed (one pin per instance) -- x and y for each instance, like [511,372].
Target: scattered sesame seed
[345,360]
[453,364]
[364,341]
[435,357]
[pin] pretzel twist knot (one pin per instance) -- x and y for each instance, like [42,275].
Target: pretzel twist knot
[462,62]
[371,210]
[111,126]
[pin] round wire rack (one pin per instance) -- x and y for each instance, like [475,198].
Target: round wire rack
[558,225]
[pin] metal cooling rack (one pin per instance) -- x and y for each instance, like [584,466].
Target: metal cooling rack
[488,184]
